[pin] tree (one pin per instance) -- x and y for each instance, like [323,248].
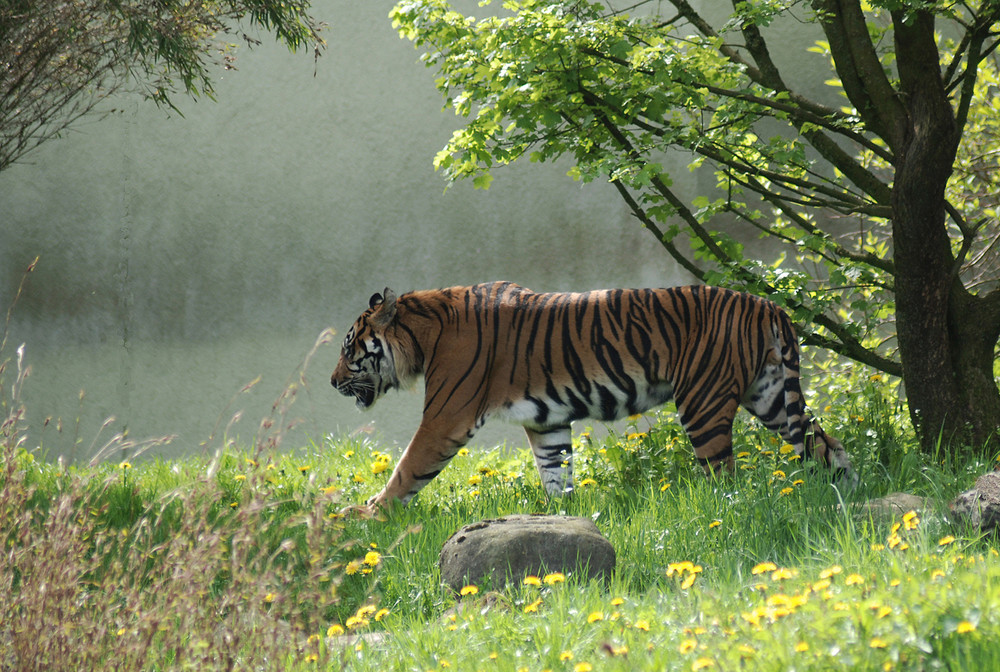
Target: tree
[59,59]
[888,198]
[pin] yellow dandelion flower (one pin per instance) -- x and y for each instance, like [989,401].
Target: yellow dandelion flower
[778,473]
[533,607]
[702,663]
[595,616]
[462,452]
[313,639]
[688,581]
[797,482]
[269,597]
[821,585]
[937,574]
[763,567]
[883,611]
[124,466]
[878,643]
[566,655]
[944,541]
[802,647]
[378,466]
[239,478]
[742,455]
[782,573]
[554,578]
[475,479]
[964,627]
[335,630]
[583,667]
[366,610]
[664,487]
[830,572]
[372,558]
[312,658]
[587,482]
[854,580]
[786,448]
[746,650]
[910,520]
[786,491]
[469,590]
[532,581]
[641,625]
[618,601]
[304,468]
[714,523]
[687,646]
[353,567]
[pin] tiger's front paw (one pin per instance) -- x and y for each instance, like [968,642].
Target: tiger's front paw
[363,511]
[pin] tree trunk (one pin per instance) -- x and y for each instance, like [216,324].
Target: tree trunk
[945,341]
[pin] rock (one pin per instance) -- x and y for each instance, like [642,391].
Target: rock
[980,506]
[895,505]
[493,552]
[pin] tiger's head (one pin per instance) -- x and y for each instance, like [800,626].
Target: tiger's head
[367,367]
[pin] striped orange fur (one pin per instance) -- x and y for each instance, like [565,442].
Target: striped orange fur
[542,360]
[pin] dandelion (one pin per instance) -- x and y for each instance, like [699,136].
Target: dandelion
[533,607]
[469,590]
[475,479]
[878,643]
[312,658]
[372,558]
[714,523]
[778,473]
[595,616]
[687,646]
[786,491]
[587,482]
[782,573]
[269,598]
[335,630]
[688,581]
[381,463]
[583,667]
[554,578]
[797,482]
[830,572]
[944,541]
[353,567]
[313,639]
[965,627]
[239,478]
[566,655]
[854,580]
[664,487]
[702,663]
[463,452]
[304,468]
[802,647]
[641,625]
[381,613]
[742,455]
[125,466]
[532,581]
[786,448]
[763,567]
[618,601]
[910,520]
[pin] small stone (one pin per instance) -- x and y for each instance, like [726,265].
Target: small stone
[491,553]
[980,506]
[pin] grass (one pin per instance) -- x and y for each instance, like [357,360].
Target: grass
[240,561]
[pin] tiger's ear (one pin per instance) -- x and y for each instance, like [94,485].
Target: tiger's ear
[386,311]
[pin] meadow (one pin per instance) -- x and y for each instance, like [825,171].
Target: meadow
[239,559]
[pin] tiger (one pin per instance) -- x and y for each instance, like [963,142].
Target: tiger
[543,360]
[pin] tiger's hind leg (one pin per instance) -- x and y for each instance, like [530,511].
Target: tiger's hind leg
[709,426]
[553,450]
[775,398]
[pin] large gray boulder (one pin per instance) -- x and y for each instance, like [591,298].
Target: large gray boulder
[980,506]
[494,552]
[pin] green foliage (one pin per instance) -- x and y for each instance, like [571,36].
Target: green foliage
[61,59]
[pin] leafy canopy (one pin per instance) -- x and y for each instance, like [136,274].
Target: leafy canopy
[621,95]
